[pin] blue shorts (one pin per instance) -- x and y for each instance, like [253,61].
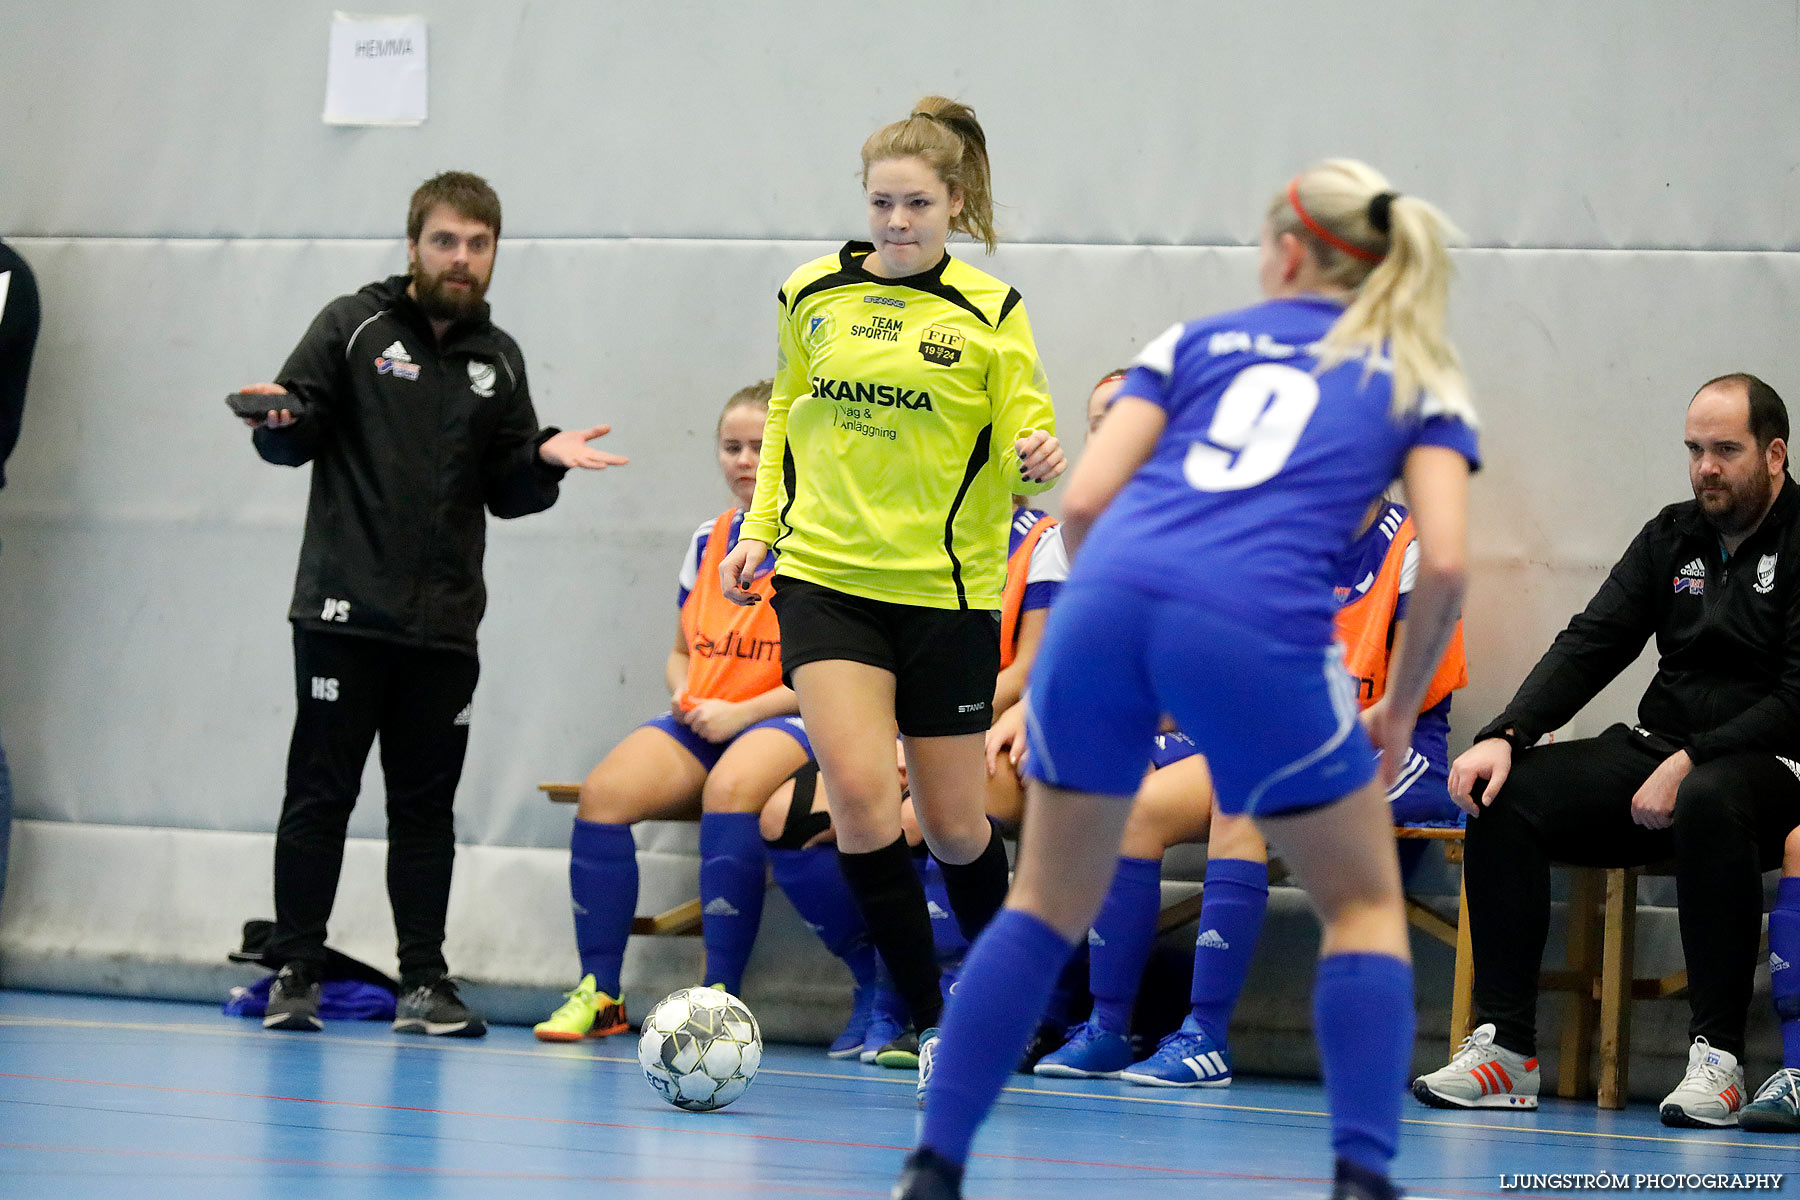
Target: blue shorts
[1276,721]
[709,753]
[1167,749]
[1420,793]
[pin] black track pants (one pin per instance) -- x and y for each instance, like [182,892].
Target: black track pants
[350,689]
[1570,802]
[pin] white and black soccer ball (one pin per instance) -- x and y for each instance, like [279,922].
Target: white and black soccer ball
[700,1048]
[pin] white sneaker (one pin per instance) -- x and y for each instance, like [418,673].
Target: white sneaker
[928,1048]
[1482,1075]
[1711,1092]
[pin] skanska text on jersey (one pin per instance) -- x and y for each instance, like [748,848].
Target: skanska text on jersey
[883,395]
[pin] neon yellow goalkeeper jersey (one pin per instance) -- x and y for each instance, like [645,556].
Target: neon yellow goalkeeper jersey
[887,459]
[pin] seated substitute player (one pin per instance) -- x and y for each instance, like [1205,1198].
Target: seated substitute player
[1175,805]
[729,739]
[1707,776]
[1100,400]
[796,824]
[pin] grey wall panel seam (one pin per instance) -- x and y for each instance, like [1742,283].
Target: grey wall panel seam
[1493,247]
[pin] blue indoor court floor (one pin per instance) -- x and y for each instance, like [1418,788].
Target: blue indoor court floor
[121,1099]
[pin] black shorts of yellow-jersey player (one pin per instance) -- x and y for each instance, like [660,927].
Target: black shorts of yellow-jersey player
[943,660]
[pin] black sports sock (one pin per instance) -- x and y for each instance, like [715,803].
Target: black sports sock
[892,900]
[977,889]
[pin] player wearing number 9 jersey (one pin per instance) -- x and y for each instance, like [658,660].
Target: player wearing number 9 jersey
[1205,520]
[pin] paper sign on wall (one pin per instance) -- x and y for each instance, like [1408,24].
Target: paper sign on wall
[375,74]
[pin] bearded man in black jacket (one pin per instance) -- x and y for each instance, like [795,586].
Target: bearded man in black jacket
[412,408]
[1708,777]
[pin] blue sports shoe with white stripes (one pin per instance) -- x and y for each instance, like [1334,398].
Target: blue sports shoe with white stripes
[1186,1058]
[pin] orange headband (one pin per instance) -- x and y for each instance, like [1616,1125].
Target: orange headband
[1323,234]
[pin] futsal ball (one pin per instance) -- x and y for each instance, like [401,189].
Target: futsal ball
[700,1048]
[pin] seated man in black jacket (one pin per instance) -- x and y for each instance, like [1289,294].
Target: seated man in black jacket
[413,409]
[1710,776]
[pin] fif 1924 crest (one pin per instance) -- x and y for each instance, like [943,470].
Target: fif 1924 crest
[941,346]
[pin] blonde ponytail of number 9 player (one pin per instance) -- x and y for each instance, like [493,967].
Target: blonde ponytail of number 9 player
[1400,277]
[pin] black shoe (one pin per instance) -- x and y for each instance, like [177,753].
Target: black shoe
[1049,1036]
[902,1053]
[294,1000]
[928,1175]
[433,1007]
[1359,1183]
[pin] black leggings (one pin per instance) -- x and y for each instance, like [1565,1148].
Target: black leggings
[1570,802]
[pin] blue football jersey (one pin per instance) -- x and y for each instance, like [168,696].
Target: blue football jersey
[1265,468]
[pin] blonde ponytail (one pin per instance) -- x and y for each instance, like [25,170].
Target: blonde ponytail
[1400,276]
[946,135]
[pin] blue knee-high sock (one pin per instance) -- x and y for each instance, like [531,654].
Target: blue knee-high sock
[1784,980]
[1005,982]
[1363,1020]
[603,888]
[946,935]
[1119,944]
[1231,917]
[815,887]
[734,870]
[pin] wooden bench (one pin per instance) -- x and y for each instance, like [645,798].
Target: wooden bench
[684,919]
[681,921]
[1425,918]
[1597,974]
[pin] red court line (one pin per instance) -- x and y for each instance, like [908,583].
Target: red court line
[1145,1168]
[456,1172]
[717,1133]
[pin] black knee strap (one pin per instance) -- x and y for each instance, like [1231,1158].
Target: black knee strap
[803,824]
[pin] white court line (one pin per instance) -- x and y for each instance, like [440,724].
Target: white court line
[888,1078]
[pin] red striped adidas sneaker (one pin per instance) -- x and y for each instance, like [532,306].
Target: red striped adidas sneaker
[1710,1094]
[1482,1075]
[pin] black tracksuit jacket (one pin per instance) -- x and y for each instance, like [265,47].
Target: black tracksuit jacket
[19,317]
[1727,637]
[410,441]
